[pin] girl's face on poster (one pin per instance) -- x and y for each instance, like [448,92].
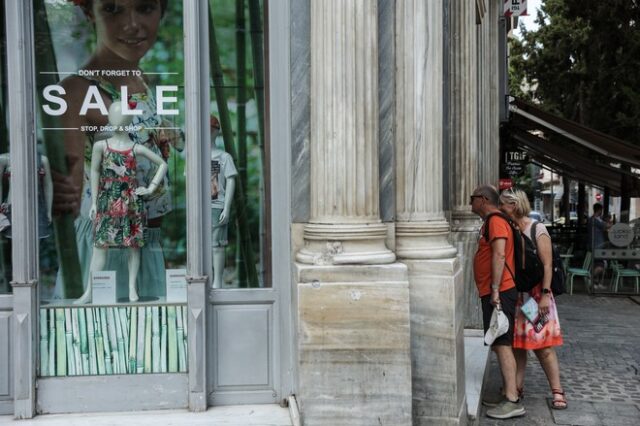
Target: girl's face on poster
[128,28]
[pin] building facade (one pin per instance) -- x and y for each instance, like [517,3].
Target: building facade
[375,120]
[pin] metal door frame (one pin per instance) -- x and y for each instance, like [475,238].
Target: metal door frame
[278,131]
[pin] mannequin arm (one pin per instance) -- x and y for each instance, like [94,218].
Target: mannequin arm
[229,189]
[160,173]
[96,164]
[48,186]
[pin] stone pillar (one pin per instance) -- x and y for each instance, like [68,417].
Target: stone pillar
[437,352]
[492,18]
[464,147]
[485,170]
[345,226]
[353,300]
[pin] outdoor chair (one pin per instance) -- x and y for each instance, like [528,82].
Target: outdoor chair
[619,273]
[566,258]
[585,272]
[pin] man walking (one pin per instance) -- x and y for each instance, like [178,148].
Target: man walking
[496,288]
[596,237]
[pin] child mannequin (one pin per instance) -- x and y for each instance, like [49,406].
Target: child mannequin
[223,185]
[116,203]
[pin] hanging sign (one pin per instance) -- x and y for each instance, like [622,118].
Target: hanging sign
[515,8]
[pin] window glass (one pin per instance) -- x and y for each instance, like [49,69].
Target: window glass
[240,223]
[5,173]
[112,229]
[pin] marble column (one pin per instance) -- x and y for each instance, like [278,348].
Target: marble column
[422,232]
[352,297]
[464,146]
[493,15]
[344,225]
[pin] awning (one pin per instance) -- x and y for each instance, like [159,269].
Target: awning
[573,150]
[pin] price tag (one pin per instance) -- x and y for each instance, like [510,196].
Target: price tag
[176,285]
[103,287]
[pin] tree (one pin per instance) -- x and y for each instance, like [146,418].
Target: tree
[584,59]
[582,63]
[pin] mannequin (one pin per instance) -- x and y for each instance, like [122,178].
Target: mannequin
[118,222]
[45,195]
[223,185]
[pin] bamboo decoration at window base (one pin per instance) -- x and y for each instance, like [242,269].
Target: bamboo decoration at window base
[113,340]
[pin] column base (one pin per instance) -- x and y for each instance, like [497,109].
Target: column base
[467,243]
[465,221]
[437,342]
[354,345]
[423,240]
[343,244]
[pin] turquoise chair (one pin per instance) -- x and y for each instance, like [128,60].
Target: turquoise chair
[619,273]
[581,272]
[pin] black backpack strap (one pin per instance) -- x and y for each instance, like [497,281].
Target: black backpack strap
[532,234]
[485,234]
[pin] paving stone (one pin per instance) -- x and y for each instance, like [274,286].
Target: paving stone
[578,413]
[599,366]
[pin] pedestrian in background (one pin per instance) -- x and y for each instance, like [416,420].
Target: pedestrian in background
[596,236]
[496,289]
[516,204]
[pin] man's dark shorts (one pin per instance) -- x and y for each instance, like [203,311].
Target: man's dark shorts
[508,301]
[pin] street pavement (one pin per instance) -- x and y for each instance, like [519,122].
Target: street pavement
[599,366]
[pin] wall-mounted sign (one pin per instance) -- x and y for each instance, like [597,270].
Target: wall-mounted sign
[505,184]
[515,8]
[621,235]
[513,163]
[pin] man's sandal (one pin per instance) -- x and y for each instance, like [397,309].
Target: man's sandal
[559,402]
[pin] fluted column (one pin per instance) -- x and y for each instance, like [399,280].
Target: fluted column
[463,116]
[344,225]
[495,8]
[421,230]
[465,153]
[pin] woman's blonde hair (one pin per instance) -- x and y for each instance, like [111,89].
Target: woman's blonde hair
[519,199]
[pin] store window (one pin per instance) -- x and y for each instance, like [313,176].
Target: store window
[110,85]
[239,151]
[5,173]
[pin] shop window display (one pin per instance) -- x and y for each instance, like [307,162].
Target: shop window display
[112,275]
[110,92]
[5,223]
[239,173]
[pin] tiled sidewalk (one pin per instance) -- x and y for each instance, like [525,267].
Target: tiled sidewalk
[599,365]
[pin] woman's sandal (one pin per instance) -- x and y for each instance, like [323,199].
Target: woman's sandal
[559,402]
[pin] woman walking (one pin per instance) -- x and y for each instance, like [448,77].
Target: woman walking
[543,341]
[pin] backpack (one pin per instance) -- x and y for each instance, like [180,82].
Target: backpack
[558,285]
[529,270]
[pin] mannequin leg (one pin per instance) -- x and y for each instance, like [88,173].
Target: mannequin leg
[134,266]
[218,266]
[98,260]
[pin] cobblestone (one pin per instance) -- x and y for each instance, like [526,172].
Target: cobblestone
[599,366]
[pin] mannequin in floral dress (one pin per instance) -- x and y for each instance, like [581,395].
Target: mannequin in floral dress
[117,209]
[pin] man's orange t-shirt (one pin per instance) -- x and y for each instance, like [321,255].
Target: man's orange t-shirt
[498,228]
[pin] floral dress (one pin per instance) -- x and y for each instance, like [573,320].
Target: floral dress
[120,212]
[524,334]
[149,131]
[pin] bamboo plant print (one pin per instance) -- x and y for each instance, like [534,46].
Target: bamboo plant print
[113,340]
